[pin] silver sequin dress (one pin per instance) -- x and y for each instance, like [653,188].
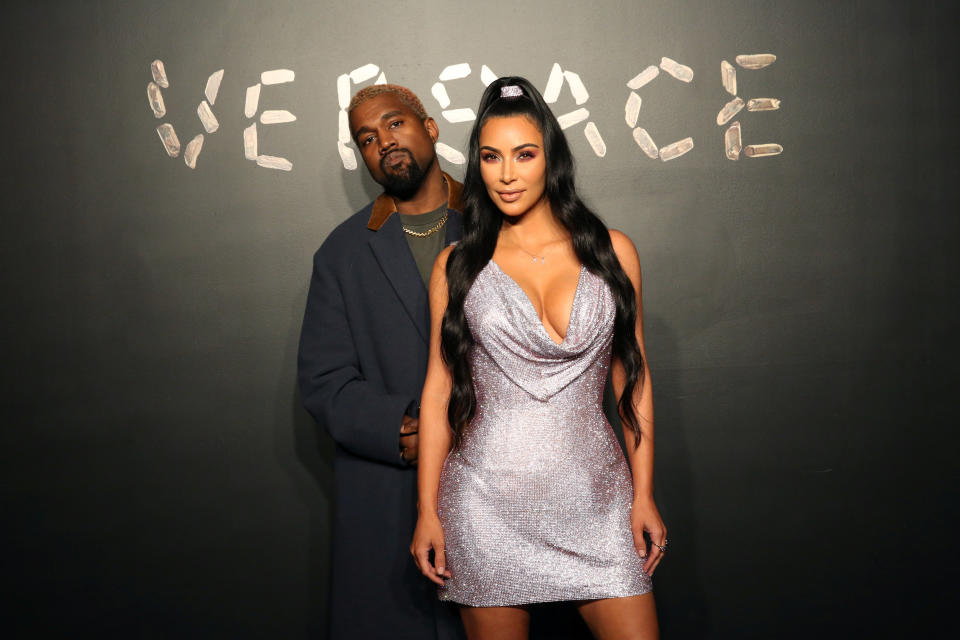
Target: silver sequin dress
[535,504]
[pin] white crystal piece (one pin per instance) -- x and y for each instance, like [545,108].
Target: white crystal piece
[595,139]
[632,110]
[159,73]
[347,156]
[213,86]
[440,94]
[676,149]
[459,115]
[572,118]
[756,60]
[207,119]
[729,110]
[554,84]
[381,79]
[577,88]
[155,97]
[732,144]
[276,116]
[762,150]
[728,75]
[343,127]
[763,104]
[642,138]
[644,77]
[169,139]
[277,76]
[193,150]
[274,162]
[681,72]
[252,101]
[487,75]
[455,71]
[450,154]
[343,90]
[250,142]
[361,74]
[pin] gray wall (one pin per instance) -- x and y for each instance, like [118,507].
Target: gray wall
[160,478]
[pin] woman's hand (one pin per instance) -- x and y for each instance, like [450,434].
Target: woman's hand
[645,517]
[426,537]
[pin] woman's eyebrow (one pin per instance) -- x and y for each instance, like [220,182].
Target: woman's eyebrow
[516,148]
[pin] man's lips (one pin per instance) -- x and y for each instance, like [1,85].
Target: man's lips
[511,196]
[394,158]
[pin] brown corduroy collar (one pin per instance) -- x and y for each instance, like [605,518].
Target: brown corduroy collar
[384,205]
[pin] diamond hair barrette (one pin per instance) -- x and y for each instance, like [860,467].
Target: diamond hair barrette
[511,91]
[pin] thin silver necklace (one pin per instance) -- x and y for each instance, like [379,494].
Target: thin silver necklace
[542,258]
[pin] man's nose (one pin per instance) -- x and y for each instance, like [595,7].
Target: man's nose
[386,141]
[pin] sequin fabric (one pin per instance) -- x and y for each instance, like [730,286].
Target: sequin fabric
[535,504]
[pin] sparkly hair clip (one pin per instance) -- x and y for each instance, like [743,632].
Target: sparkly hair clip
[511,91]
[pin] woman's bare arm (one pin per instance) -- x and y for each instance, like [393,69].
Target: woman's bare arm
[435,435]
[644,516]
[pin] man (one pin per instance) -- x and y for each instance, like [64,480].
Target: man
[362,361]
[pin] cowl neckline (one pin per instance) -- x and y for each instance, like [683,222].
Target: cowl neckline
[504,322]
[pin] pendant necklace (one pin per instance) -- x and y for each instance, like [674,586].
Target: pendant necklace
[541,257]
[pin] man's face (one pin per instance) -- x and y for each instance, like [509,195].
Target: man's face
[396,145]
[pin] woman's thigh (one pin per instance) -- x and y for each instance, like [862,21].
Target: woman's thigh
[508,623]
[630,618]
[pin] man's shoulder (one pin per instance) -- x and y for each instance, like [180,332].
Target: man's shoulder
[345,237]
[355,225]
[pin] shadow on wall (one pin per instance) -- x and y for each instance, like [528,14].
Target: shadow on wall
[681,601]
[314,449]
[360,192]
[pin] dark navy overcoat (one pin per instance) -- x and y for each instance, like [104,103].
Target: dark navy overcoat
[362,361]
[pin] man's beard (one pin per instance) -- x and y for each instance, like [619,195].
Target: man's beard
[404,184]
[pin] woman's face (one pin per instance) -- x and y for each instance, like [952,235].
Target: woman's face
[512,163]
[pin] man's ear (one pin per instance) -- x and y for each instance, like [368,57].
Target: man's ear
[431,126]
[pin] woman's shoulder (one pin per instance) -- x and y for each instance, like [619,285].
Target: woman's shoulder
[444,254]
[439,273]
[622,244]
[626,252]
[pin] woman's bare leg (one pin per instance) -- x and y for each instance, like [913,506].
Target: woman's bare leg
[496,623]
[630,618]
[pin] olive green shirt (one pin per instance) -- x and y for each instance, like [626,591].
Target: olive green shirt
[425,250]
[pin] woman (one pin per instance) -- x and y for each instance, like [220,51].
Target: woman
[525,495]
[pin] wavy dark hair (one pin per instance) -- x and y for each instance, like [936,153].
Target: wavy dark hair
[482,221]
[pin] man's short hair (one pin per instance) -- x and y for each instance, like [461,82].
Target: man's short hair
[407,97]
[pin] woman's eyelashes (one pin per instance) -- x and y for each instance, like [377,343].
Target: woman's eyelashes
[489,156]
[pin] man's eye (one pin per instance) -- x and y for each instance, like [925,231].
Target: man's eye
[395,124]
[366,141]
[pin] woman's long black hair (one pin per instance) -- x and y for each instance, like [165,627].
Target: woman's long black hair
[481,228]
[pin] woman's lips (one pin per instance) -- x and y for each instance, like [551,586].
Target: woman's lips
[510,196]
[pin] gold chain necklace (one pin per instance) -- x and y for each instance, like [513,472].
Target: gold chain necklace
[429,232]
